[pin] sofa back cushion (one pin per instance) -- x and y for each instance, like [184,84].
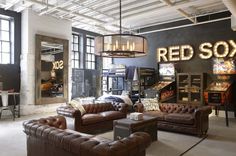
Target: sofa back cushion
[98,107]
[178,108]
[54,121]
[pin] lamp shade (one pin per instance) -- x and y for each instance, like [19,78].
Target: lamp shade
[121,45]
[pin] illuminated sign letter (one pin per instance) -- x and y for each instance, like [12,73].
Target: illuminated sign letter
[233,51]
[225,51]
[174,53]
[161,54]
[186,52]
[57,65]
[204,48]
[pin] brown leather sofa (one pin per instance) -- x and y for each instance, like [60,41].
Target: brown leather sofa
[183,118]
[98,117]
[49,137]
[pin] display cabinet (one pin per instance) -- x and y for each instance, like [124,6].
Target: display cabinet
[146,80]
[113,80]
[190,88]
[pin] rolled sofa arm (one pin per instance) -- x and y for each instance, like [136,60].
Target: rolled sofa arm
[68,111]
[138,107]
[204,110]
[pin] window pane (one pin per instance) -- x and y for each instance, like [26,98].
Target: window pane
[92,42]
[5,47]
[93,57]
[4,25]
[76,48]
[88,49]
[89,65]
[76,38]
[88,41]
[89,58]
[92,50]
[76,55]
[5,58]
[93,65]
[5,35]
[76,64]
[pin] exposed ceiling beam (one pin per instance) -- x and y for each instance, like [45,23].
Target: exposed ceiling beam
[97,21]
[10,5]
[181,11]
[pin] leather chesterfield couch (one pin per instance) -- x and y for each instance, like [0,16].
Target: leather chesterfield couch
[183,118]
[98,117]
[49,137]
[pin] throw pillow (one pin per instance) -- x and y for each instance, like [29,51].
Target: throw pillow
[77,105]
[150,104]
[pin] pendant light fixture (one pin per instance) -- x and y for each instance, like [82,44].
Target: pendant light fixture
[121,45]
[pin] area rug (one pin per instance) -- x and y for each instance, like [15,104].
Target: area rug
[168,144]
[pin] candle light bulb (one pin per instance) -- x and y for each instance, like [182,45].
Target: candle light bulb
[133,45]
[131,48]
[108,47]
[114,47]
[127,45]
[123,47]
[116,44]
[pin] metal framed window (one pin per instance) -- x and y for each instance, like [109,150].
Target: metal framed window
[76,51]
[90,55]
[6,41]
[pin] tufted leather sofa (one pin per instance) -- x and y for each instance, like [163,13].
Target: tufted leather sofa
[98,117]
[184,118]
[49,137]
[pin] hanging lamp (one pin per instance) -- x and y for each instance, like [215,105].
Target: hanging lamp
[121,45]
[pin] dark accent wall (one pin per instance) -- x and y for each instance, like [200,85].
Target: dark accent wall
[10,73]
[194,36]
[86,82]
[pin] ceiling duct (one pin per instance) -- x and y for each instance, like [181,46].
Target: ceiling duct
[231,5]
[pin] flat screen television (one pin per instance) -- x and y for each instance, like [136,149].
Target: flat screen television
[167,69]
[224,66]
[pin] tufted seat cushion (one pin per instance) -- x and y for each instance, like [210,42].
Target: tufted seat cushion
[91,119]
[158,114]
[111,115]
[180,118]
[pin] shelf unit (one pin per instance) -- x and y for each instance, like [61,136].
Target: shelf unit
[146,80]
[190,88]
[113,80]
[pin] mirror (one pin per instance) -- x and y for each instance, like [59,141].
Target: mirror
[51,70]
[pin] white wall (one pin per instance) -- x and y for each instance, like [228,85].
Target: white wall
[45,25]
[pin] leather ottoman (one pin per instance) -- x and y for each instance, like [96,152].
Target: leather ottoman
[124,127]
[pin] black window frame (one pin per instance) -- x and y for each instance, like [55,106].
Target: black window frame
[75,59]
[90,52]
[10,41]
